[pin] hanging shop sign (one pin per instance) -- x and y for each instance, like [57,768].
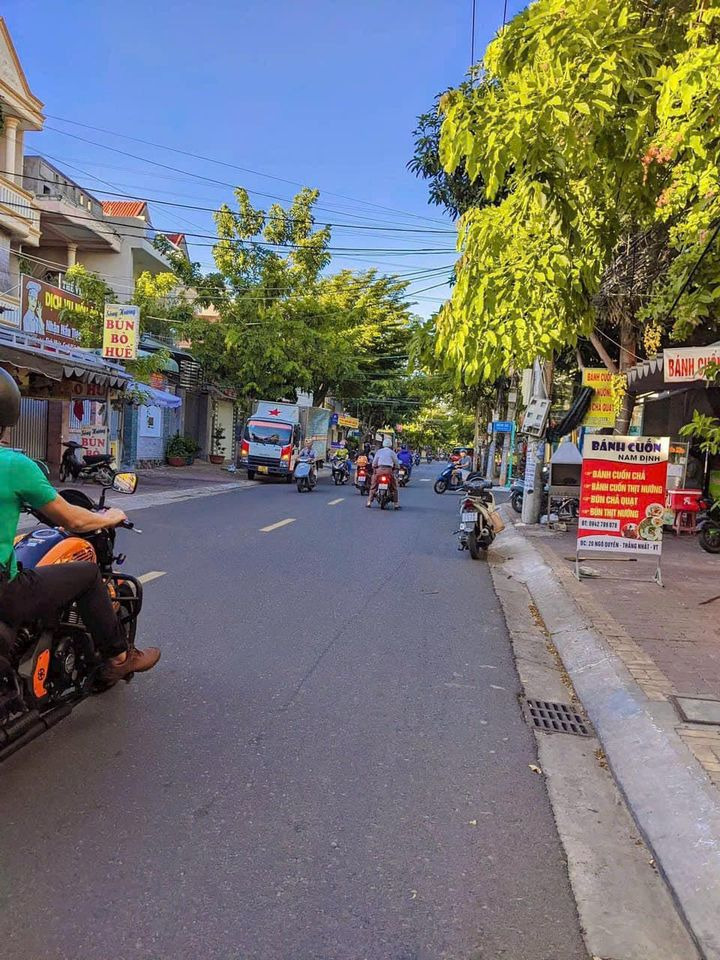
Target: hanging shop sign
[94,439]
[121,331]
[46,311]
[601,412]
[622,495]
[78,390]
[683,364]
[352,422]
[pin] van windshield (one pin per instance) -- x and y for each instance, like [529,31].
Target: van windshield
[273,434]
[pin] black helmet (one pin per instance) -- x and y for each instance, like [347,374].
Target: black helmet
[9,400]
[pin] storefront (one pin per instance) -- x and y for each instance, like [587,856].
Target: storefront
[67,393]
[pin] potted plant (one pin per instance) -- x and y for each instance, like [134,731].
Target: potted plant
[218,447]
[176,451]
[192,449]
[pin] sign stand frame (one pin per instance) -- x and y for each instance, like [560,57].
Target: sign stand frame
[656,578]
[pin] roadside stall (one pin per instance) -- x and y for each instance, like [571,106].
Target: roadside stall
[564,481]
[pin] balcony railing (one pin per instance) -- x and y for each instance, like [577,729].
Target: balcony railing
[20,203]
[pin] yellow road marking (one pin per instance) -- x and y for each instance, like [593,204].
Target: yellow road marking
[331,503]
[274,526]
[151,575]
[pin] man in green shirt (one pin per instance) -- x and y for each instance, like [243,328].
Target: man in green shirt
[30,595]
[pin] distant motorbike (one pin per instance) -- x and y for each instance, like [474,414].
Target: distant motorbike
[403,476]
[305,476]
[362,480]
[708,525]
[340,471]
[428,457]
[93,468]
[384,486]
[451,478]
[479,520]
[45,671]
[416,459]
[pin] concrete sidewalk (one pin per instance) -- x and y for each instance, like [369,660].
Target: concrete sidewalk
[623,645]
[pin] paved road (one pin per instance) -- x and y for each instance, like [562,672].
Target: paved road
[329,763]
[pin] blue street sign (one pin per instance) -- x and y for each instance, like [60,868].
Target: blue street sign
[502,426]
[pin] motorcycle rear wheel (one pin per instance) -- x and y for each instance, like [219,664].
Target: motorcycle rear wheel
[477,550]
[440,486]
[710,539]
[300,485]
[516,502]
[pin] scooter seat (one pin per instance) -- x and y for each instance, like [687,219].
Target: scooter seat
[91,458]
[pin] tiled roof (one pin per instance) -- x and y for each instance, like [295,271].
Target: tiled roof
[175,238]
[124,208]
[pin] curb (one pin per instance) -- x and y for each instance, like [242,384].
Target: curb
[674,803]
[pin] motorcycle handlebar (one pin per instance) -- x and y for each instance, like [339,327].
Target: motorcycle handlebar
[129,525]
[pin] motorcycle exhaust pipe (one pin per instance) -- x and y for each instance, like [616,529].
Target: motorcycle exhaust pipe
[28,727]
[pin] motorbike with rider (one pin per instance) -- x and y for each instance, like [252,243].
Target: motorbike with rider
[385,463]
[30,597]
[406,460]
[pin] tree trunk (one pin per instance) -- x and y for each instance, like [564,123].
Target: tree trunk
[628,358]
[478,436]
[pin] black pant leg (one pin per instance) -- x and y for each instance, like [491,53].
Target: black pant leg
[39,595]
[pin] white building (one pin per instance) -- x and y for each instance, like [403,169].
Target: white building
[19,215]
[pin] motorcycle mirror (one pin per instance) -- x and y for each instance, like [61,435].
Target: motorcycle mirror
[125,482]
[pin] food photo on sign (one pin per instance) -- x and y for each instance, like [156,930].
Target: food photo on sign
[622,495]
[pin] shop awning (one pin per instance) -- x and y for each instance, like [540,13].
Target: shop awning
[150,397]
[58,362]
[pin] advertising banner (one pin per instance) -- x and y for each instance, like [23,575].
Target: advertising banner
[622,495]
[601,412]
[682,364]
[121,331]
[343,421]
[46,311]
[94,439]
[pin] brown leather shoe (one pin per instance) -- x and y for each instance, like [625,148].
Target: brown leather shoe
[137,661]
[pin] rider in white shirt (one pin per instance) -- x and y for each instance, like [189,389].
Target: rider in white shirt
[385,457]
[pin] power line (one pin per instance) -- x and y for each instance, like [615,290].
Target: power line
[224,163]
[199,176]
[216,209]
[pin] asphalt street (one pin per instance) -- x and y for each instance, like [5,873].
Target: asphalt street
[329,762]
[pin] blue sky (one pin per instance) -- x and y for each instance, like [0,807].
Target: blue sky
[320,92]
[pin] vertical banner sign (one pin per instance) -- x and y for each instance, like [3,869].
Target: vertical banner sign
[622,495]
[601,412]
[121,331]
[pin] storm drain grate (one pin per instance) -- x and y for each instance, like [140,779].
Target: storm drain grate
[556,718]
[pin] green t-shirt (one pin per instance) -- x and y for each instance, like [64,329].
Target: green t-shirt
[21,482]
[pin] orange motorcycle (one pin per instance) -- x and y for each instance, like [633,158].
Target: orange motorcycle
[46,671]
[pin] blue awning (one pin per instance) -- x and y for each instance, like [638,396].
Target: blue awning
[150,397]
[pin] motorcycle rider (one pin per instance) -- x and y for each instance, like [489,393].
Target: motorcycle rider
[385,457]
[307,452]
[30,595]
[406,458]
[342,459]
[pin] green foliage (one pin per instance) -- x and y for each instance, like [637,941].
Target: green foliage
[455,191]
[184,447]
[706,430]
[568,103]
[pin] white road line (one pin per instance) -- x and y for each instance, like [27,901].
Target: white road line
[425,480]
[274,526]
[152,575]
[331,503]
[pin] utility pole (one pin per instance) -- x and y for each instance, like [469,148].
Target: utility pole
[533,495]
[509,437]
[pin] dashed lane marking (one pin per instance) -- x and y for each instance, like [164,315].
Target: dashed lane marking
[331,503]
[425,480]
[275,526]
[151,575]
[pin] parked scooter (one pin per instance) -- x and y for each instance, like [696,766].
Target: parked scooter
[305,475]
[708,525]
[94,467]
[479,519]
[517,493]
[45,672]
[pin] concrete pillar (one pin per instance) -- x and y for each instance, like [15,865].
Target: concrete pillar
[71,254]
[11,125]
[19,150]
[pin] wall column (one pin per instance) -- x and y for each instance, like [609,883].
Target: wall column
[71,254]
[11,125]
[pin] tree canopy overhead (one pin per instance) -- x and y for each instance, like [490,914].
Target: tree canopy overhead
[582,118]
